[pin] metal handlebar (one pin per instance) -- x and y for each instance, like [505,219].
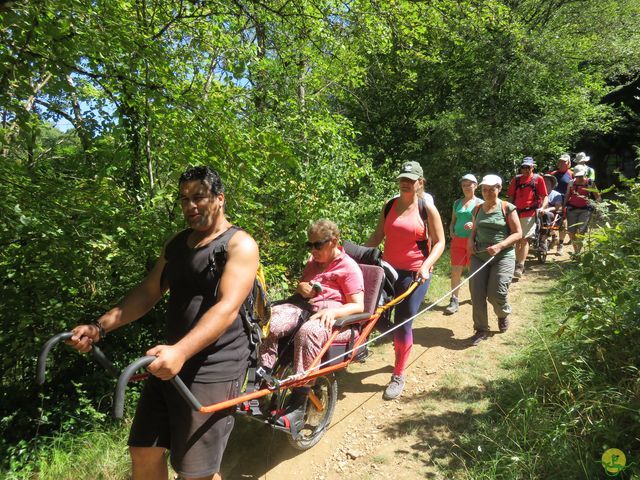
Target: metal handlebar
[131,369]
[123,378]
[99,357]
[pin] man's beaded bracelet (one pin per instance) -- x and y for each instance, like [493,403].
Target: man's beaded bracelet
[101,333]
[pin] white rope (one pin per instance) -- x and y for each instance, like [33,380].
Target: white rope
[301,375]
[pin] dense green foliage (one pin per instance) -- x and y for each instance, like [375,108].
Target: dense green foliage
[306,109]
[577,393]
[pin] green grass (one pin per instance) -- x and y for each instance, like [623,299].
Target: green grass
[575,389]
[101,454]
[380,459]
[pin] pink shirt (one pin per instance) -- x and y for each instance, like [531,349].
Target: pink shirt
[401,234]
[340,278]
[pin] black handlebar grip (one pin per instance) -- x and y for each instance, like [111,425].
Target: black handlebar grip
[99,357]
[131,369]
[44,353]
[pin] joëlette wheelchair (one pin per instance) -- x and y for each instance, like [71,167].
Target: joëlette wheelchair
[547,225]
[333,356]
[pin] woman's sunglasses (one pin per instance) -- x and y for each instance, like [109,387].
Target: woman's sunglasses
[317,245]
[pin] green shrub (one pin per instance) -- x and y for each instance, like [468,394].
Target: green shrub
[577,389]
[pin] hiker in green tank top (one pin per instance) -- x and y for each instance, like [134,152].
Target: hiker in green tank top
[459,231]
[496,229]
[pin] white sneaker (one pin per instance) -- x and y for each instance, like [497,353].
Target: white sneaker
[395,387]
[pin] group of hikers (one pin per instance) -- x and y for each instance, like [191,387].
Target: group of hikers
[206,340]
[493,229]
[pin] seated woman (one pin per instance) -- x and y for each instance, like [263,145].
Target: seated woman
[331,287]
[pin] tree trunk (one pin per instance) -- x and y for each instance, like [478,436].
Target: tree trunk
[79,123]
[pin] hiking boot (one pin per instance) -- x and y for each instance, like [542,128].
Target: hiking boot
[454,304]
[503,324]
[395,387]
[517,273]
[478,337]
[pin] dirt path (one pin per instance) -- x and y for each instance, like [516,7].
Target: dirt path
[407,438]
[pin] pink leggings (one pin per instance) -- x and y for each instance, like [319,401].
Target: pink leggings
[307,342]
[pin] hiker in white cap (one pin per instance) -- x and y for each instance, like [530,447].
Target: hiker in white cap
[496,229]
[582,159]
[460,231]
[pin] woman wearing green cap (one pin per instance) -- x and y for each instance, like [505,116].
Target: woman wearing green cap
[406,238]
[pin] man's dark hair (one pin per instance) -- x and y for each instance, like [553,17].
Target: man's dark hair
[206,175]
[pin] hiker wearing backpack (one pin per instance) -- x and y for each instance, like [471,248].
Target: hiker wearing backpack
[331,287]
[413,241]
[460,230]
[563,176]
[582,159]
[496,228]
[207,343]
[528,193]
[578,201]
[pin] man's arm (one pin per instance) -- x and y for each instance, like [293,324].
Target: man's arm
[235,285]
[134,305]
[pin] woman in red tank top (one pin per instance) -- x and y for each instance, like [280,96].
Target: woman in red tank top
[406,237]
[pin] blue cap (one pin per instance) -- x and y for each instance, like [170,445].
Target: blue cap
[527,162]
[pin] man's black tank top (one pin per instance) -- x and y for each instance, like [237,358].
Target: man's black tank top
[193,285]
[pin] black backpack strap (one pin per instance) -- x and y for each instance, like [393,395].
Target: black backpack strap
[217,261]
[424,245]
[532,185]
[422,208]
[387,206]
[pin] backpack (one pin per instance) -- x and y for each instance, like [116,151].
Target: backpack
[256,309]
[504,210]
[373,256]
[572,190]
[532,185]
[423,245]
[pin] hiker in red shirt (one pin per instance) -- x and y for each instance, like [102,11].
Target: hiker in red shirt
[528,192]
